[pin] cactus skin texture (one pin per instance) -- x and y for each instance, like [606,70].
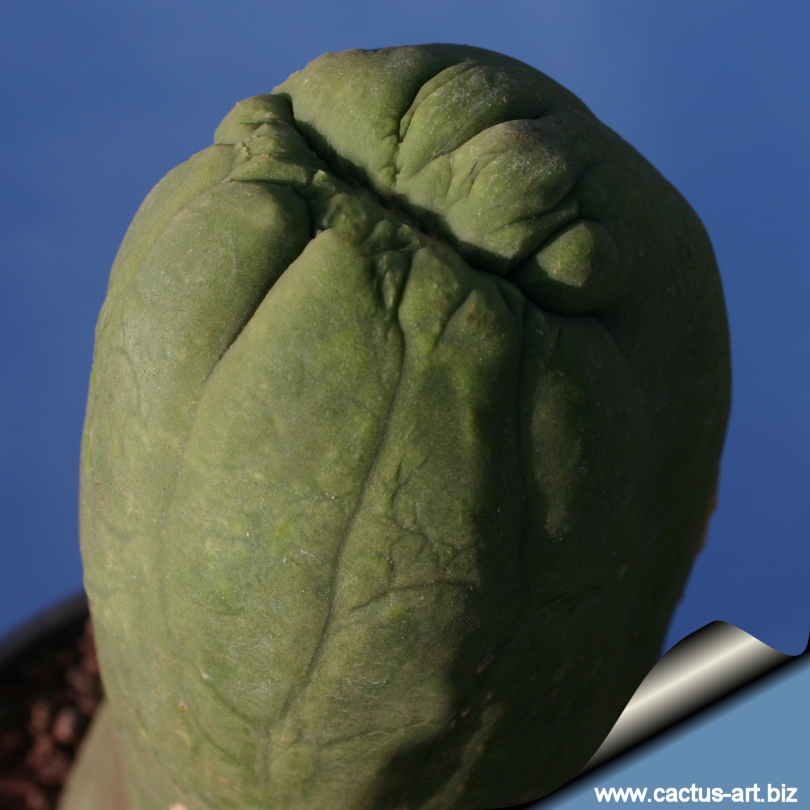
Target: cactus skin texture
[403,432]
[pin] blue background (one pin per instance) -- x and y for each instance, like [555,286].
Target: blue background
[99,100]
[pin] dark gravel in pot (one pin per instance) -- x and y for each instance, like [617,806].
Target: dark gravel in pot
[49,689]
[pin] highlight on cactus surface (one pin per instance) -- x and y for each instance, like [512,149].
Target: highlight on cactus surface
[404,427]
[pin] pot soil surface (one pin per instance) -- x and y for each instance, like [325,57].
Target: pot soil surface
[49,691]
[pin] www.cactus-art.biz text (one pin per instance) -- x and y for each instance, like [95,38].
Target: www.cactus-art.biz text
[754,793]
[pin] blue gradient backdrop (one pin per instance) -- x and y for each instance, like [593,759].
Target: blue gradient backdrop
[99,100]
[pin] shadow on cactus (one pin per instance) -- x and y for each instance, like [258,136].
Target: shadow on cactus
[403,432]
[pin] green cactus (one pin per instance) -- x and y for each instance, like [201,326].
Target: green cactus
[404,428]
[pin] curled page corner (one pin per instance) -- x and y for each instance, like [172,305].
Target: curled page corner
[704,667]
